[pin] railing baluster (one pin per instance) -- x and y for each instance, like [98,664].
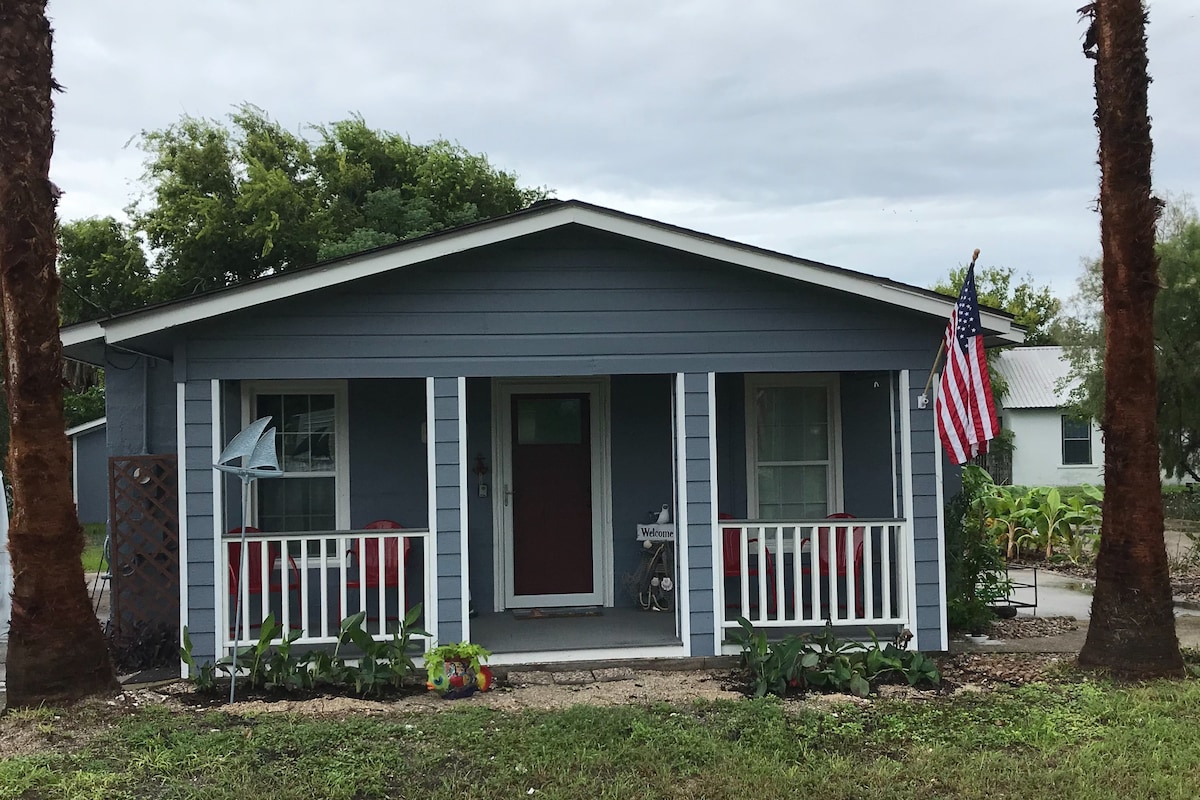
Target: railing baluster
[324,573]
[744,578]
[381,588]
[814,570]
[851,579]
[885,570]
[777,574]
[343,580]
[868,576]
[797,595]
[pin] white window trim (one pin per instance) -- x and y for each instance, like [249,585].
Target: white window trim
[831,381]
[341,412]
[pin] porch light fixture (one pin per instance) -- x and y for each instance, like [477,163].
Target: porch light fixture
[254,447]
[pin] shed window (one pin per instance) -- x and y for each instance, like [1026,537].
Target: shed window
[1076,440]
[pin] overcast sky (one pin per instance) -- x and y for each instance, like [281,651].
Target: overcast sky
[889,137]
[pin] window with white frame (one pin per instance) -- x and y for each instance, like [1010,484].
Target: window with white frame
[309,433]
[1076,440]
[791,438]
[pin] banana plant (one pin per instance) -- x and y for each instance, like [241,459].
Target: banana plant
[1008,512]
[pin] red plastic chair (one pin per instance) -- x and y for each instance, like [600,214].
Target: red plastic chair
[368,563]
[732,548]
[254,566]
[833,539]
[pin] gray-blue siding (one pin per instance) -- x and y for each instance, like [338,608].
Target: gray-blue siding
[568,302]
[91,476]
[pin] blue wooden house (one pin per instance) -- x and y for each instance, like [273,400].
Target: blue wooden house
[488,421]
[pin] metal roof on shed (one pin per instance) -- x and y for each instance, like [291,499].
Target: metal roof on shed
[1033,375]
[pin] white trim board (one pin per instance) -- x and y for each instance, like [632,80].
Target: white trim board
[181,488]
[139,323]
[87,426]
[598,654]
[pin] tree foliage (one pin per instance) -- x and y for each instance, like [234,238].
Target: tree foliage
[1176,336]
[226,203]
[1033,306]
[103,269]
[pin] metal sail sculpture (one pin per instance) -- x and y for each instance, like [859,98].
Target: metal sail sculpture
[254,447]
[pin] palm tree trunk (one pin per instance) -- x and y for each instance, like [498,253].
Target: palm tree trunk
[56,649]
[1132,629]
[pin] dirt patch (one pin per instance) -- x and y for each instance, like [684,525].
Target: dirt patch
[643,687]
[49,730]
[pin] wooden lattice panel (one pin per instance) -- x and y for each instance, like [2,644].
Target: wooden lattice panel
[144,507]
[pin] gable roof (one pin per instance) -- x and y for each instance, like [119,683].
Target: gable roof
[543,216]
[1033,375]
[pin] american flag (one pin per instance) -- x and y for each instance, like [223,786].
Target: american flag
[966,413]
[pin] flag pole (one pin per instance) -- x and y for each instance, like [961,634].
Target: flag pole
[923,400]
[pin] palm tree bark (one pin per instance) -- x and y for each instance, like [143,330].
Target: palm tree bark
[1132,629]
[56,650]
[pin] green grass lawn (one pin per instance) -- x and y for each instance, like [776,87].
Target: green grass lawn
[93,551]
[1083,740]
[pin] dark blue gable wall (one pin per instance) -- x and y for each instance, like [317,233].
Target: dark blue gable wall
[566,302]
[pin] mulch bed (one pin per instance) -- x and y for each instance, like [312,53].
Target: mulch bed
[1032,627]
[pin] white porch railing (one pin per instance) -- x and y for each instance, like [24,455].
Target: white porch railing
[311,581]
[782,574]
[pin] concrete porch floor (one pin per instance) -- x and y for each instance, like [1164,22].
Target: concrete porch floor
[612,628]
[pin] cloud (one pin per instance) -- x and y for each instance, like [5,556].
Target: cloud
[890,137]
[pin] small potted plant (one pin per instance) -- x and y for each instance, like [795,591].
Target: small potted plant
[457,669]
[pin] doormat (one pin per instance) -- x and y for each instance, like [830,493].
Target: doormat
[550,613]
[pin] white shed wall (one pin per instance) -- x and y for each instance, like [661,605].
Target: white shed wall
[1037,457]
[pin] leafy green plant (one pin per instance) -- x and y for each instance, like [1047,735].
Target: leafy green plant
[275,666]
[203,676]
[822,661]
[977,575]
[382,663]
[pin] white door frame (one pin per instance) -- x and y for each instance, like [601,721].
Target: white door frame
[597,389]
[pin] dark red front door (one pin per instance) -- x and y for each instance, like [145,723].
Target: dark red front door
[552,494]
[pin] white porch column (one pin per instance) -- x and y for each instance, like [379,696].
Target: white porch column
[447,447]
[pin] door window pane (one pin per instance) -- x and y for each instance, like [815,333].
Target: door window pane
[549,420]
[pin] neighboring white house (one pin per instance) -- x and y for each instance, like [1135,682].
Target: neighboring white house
[1051,446]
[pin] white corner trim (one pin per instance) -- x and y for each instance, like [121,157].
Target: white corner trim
[220,575]
[681,515]
[181,487]
[464,554]
[431,557]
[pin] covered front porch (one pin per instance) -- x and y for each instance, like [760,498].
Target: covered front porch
[539,488]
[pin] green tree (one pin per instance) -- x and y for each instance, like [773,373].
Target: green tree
[1132,630]
[229,203]
[1035,307]
[1176,340]
[102,267]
